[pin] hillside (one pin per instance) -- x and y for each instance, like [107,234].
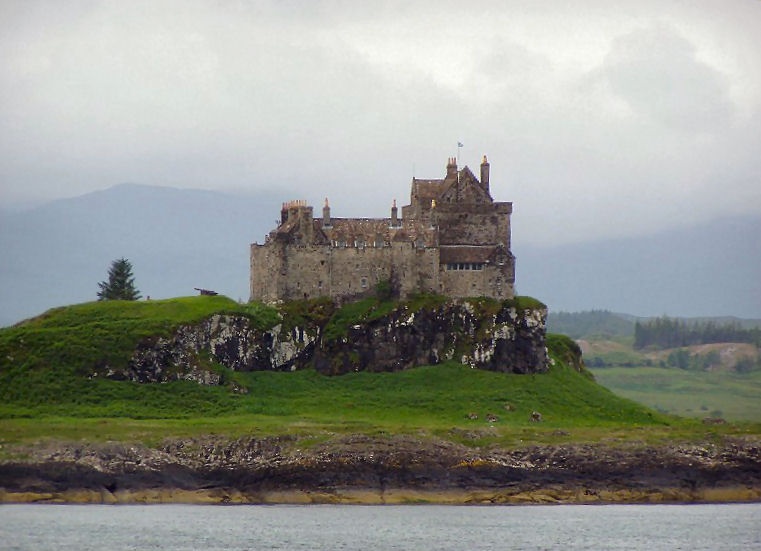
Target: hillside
[705,380]
[47,366]
[443,433]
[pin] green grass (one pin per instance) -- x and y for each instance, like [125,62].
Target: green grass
[433,399]
[353,313]
[733,396]
[77,338]
[45,391]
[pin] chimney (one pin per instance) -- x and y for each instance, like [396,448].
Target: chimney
[452,167]
[326,214]
[485,174]
[394,215]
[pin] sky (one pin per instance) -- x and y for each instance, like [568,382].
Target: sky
[601,119]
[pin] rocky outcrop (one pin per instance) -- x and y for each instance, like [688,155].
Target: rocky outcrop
[229,340]
[365,469]
[496,336]
[509,339]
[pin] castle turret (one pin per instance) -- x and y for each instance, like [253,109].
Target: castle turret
[485,174]
[394,215]
[284,213]
[326,214]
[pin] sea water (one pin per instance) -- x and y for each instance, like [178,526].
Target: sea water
[380,528]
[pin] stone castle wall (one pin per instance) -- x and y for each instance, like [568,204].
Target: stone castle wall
[288,273]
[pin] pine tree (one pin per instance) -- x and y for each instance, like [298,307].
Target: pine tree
[120,284]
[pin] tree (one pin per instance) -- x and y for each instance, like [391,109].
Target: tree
[120,284]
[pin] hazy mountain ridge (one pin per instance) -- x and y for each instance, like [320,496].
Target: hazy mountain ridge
[177,239]
[710,270]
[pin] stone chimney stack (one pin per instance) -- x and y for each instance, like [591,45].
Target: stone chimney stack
[326,214]
[394,215]
[485,174]
[452,167]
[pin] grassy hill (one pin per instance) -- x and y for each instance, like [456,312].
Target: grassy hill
[715,379]
[45,390]
[712,383]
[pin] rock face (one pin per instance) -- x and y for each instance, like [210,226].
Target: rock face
[502,337]
[510,340]
[363,469]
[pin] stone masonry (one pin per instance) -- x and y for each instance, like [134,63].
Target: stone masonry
[452,239]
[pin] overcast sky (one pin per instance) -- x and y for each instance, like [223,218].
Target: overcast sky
[600,118]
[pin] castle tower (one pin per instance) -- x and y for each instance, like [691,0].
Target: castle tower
[284,213]
[485,174]
[326,215]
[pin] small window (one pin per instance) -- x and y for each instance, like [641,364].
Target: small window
[363,282]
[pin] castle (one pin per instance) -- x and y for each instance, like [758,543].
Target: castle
[452,239]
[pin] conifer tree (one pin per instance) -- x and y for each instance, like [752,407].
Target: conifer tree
[120,284]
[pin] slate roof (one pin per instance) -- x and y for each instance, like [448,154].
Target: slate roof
[369,230]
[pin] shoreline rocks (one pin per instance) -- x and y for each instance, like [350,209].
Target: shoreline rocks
[376,470]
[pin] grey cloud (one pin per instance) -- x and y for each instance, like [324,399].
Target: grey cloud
[350,102]
[657,73]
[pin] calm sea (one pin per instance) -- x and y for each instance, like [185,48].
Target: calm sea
[379,528]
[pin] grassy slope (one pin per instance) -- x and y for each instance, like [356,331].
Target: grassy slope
[719,393]
[43,392]
[724,394]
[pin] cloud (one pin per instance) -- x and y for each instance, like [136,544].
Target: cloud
[598,121]
[656,71]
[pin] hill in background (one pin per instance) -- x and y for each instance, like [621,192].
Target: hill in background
[696,379]
[55,254]
[709,270]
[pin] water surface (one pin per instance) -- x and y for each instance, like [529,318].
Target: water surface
[380,528]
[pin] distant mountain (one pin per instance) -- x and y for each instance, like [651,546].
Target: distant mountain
[709,270]
[178,239]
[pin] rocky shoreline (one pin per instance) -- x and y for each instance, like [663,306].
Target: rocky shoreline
[361,469]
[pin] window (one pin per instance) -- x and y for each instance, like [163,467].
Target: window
[363,282]
[465,266]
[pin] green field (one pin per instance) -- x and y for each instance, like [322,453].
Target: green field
[646,377]
[46,392]
[732,396]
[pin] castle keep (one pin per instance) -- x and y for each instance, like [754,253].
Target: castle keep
[452,239]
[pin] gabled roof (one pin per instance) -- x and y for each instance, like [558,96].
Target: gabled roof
[466,189]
